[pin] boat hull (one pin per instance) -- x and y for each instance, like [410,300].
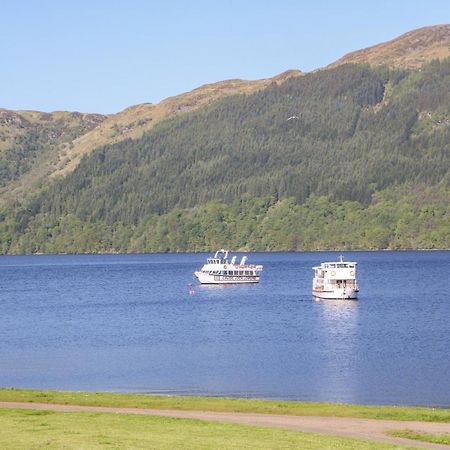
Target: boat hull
[337,294]
[206,278]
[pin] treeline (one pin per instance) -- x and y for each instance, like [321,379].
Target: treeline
[413,216]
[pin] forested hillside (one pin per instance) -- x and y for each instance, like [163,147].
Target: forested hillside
[350,157]
[33,144]
[134,121]
[344,132]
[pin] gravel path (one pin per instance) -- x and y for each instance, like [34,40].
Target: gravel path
[369,429]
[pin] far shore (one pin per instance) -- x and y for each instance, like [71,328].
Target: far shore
[237,251]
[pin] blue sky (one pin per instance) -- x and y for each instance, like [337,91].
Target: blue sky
[102,56]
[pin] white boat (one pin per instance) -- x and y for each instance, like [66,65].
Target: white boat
[335,280]
[218,270]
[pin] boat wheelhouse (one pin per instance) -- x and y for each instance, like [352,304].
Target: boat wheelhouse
[218,270]
[335,280]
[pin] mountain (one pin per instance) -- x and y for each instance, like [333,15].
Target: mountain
[409,51]
[134,121]
[352,156]
[67,136]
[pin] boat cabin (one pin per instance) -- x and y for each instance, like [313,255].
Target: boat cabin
[220,257]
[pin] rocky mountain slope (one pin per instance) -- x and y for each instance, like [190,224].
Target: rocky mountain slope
[409,51]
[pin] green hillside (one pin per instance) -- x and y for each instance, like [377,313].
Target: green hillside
[33,144]
[350,157]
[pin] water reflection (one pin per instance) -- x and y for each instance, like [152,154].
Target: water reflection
[339,325]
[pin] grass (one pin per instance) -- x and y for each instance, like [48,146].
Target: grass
[28,429]
[434,438]
[226,405]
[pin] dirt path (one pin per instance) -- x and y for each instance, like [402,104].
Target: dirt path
[369,429]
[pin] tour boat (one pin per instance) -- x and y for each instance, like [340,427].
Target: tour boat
[335,280]
[218,270]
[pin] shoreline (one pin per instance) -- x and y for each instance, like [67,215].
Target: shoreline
[225,404]
[399,250]
[167,395]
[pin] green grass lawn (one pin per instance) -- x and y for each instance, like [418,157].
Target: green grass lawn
[226,405]
[435,438]
[32,429]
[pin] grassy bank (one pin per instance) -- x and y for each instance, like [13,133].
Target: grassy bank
[55,430]
[226,405]
[434,438]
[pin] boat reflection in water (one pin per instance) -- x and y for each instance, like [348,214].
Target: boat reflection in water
[339,352]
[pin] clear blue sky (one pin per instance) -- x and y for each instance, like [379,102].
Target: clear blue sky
[102,56]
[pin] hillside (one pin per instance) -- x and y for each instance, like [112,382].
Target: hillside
[134,121]
[327,133]
[55,142]
[409,51]
[33,143]
[351,157]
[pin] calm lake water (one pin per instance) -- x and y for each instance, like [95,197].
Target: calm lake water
[128,323]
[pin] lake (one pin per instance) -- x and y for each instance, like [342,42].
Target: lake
[128,323]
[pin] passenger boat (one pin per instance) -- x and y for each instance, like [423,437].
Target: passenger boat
[218,270]
[335,280]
